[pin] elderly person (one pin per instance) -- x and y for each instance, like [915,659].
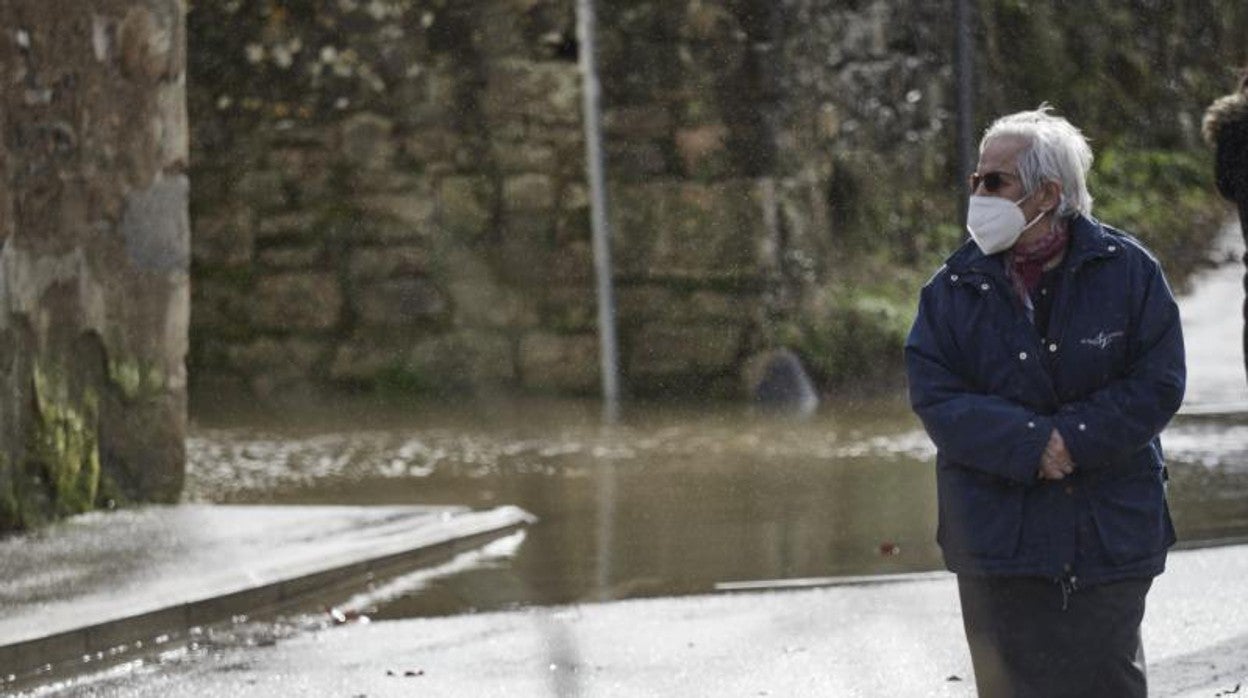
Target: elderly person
[1226,129]
[1045,359]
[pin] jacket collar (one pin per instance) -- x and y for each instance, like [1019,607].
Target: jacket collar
[1088,240]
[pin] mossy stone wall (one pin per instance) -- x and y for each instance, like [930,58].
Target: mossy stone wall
[94,255]
[389,194]
[392,193]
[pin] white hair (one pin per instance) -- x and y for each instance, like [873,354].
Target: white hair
[1056,151]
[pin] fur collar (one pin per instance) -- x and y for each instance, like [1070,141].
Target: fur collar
[1230,109]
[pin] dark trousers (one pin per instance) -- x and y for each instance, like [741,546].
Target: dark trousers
[1246,303]
[1243,229]
[1030,637]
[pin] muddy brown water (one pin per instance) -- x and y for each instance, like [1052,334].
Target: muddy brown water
[673,500]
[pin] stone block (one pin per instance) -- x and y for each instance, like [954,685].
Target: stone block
[528,192]
[367,141]
[573,228]
[567,308]
[292,356]
[428,146]
[147,44]
[693,232]
[659,349]
[640,304]
[362,360]
[732,308]
[173,145]
[512,157]
[308,137]
[400,302]
[703,150]
[559,363]
[414,210]
[466,205]
[637,212]
[223,239]
[385,262]
[357,227]
[543,91]
[481,300]
[297,225]
[362,183]
[307,175]
[574,197]
[644,121]
[292,258]
[710,21]
[573,264]
[263,189]
[156,227]
[294,302]
[639,159]
[221,308]
[451,363]
[464,360]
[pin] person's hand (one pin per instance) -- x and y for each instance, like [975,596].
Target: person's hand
[1056,463]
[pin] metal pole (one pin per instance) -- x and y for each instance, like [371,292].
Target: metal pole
[598,211]
[964,48]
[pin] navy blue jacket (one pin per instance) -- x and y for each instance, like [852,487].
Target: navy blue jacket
[989,390]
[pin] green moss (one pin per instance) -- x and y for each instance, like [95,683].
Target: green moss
[135,379]
[10,511]
[407,379]
[127,376]
[61,470]
[1165,197]
[400,379]
[854,335]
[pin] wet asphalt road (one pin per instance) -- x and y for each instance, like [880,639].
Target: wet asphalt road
[892,639]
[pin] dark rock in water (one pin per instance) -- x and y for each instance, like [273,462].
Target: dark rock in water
[780,384]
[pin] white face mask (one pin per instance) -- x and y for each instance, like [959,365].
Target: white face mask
[995,224]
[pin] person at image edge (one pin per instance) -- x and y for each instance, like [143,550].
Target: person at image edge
[1225,127]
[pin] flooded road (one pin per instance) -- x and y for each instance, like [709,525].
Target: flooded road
[672,501]
[679,498]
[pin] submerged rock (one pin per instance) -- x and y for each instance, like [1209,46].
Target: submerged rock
[780,384]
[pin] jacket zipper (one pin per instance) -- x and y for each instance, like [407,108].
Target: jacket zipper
[1069,585]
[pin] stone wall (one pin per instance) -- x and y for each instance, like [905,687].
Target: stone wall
[94,285]
[392,192]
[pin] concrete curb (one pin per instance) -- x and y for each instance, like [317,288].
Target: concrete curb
[91,647]
[824,582]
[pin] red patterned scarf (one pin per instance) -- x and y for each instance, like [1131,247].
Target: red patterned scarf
[1027,262]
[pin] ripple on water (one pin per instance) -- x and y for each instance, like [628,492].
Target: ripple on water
[228,461]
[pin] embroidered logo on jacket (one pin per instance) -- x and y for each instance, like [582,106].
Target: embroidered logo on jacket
[1102,340]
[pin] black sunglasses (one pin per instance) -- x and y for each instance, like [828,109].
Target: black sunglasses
[991,181]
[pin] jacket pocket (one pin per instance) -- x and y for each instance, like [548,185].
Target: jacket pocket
[980,515]
[1132,518]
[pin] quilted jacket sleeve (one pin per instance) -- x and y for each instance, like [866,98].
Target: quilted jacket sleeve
[972,430]
[1124,416]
